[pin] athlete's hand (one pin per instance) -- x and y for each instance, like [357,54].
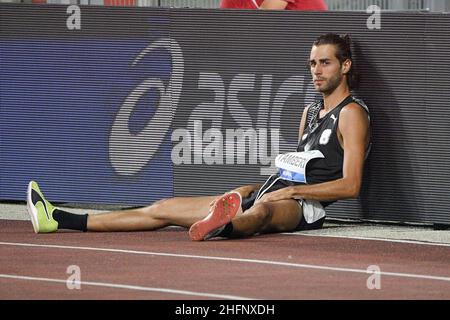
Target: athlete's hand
[282,194]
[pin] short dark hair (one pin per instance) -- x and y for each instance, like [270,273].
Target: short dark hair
[343,52]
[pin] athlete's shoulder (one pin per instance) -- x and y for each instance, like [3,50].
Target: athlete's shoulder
[361,103]
[355,111]
[356,106]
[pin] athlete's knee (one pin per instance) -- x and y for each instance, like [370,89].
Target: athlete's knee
[161,203]
[155,208]
[262,212]
[252,221]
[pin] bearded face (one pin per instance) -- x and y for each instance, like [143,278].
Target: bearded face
[326,70]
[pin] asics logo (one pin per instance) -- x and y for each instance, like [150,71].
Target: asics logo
[151,137]
[130,152]
[36,197]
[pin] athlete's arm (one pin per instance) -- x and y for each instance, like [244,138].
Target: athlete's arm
[246,190]
[273,5]
[354,129]
[301,128]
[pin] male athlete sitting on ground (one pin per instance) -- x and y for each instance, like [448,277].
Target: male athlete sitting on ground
[334,138]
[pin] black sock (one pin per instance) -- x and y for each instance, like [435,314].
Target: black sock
[67,220]
[227,231]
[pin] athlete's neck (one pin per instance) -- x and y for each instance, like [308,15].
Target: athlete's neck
[332,100]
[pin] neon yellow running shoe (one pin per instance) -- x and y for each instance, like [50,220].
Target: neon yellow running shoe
[40,210]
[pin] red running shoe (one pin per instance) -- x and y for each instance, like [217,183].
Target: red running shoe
[223,211]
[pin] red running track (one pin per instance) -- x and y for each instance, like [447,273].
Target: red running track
[166,265]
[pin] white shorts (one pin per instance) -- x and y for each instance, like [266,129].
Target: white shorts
[312,210]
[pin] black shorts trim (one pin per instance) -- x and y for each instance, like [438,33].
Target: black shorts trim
[249,201]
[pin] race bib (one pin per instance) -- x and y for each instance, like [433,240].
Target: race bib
[292,166]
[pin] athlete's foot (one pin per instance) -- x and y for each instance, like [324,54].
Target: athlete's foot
[40,210]
[223,211]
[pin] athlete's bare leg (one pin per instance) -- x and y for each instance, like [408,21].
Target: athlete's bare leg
[267,217]
[179,211]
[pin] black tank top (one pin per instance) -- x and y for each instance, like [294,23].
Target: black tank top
[321,134]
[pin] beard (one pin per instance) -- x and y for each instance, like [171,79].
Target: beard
[331,84]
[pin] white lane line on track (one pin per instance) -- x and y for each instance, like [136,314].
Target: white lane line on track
[129,287]
[369,238]
[256,261]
